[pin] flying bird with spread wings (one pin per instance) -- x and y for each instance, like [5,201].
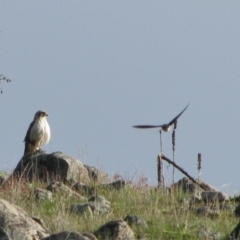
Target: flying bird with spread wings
[38,133]
[165,127]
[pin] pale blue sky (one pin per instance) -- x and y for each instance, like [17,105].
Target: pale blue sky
[99,67]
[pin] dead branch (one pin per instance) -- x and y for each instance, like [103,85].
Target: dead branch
[3,78]
[181,170]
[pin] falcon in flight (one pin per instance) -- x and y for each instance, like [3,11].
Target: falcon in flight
[38,133]
[165,127]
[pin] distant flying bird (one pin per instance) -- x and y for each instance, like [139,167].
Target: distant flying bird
[165,127]
[38,133]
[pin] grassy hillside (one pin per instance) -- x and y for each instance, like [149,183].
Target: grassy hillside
[165,215]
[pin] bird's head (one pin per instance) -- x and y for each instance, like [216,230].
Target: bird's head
[40,114]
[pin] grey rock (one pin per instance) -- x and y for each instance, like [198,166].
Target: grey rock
[188,186]
[96,205]
[235,198]
[42,194]
[4,235]
[226,206]
[237,211]
[208,212]
[235,234]
[205,234]
[117,185]
[207,186]
[82,208]
[70,236]
[191,201]
[115,230]
[83,189]
[100,200]
[212,196]
[195,200]
[59,186]
[135,220]
[101,204]
[184,201]
[3,179]
[55,166]
[91,190]
[17,224]
[97,175]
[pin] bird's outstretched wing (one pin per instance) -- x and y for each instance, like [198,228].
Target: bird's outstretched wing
[175,119]
[147,126]
[157,126]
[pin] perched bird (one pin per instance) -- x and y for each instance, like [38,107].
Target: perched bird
[165,127]
[38,133]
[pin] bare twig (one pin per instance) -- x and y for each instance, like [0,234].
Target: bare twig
[199,165]
[160,171]
[173,144]
[181,170]
[160,164]
[161,150]
[3,78]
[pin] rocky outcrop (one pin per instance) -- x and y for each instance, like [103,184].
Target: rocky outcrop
[15,223]
[51,167]
[60,167]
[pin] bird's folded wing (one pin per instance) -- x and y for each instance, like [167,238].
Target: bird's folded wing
[27,137]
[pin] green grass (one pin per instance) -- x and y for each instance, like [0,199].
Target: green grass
[166,217]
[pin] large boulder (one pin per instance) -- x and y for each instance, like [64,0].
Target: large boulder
[15,223]
[51,167]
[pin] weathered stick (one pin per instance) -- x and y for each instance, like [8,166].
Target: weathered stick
[181,170]
[160,165]
[160,172]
